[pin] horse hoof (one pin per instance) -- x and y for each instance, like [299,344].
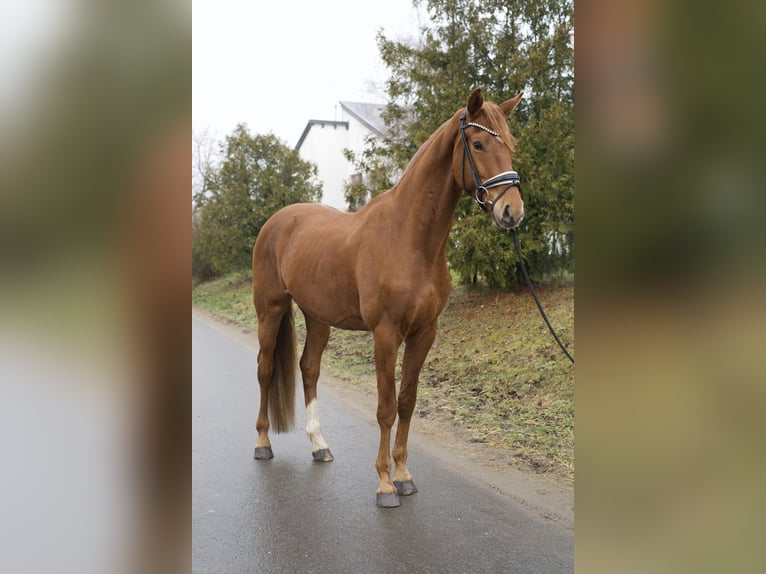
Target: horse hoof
[387,500]
[405,488]
[323,455]
[263,453]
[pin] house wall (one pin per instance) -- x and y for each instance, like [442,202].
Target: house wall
[324,145]
[356,133]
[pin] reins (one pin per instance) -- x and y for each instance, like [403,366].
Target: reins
[534,295]
[511,178]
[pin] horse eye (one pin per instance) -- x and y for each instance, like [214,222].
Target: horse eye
[477,145]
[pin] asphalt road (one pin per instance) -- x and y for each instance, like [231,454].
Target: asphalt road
[293,515]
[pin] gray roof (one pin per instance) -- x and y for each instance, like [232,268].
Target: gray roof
[370,115]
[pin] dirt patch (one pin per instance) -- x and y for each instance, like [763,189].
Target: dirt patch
[548,496]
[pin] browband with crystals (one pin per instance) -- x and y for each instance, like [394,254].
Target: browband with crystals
[485,128]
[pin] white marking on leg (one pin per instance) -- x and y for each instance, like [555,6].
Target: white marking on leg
[313,428]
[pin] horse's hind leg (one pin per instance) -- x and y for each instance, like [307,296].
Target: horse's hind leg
[317,335]
[415,351]
[269,320]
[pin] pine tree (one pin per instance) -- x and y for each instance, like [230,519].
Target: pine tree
[503,47]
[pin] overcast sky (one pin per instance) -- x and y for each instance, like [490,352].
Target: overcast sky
[275,65]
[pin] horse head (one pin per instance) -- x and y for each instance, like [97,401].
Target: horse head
[482,159]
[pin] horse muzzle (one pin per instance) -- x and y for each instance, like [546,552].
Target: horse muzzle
[506,215]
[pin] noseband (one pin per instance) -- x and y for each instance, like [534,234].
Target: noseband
[509,178]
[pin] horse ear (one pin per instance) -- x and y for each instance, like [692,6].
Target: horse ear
[475,101]
[508,107]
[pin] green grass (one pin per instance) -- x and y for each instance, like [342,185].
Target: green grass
[495,371]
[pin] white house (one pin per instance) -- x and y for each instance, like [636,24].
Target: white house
[323,142]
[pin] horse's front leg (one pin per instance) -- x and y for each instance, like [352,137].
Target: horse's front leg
[387,343]
[415,351]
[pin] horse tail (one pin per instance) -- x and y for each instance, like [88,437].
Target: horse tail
[282,387]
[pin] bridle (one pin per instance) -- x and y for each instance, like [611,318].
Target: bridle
[509,178]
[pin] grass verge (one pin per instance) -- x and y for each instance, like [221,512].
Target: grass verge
[494,372]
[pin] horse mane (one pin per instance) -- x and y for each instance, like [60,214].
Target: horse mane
[495,118]
[498,123]
[420,151]
[426,144]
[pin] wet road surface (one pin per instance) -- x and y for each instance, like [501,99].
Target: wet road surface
[293,515]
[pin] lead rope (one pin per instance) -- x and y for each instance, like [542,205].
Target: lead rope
[534,295]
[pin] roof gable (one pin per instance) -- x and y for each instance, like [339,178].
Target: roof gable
[318,123]
[370,115]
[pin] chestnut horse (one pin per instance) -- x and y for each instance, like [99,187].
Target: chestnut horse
[382,269]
